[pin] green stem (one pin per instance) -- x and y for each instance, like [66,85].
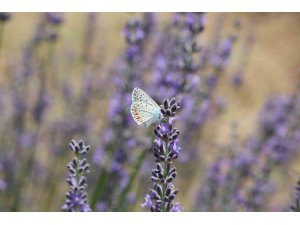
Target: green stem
[1,38]
[78,174]
[122,197]
[100,186]
[165,185]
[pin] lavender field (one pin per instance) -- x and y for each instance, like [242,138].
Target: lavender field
[78,133]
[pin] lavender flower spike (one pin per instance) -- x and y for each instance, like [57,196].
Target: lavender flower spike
[165,150]
[76,197]
[296,206]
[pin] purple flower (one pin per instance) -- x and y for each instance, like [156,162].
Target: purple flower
[296,205]
[76,197]
[174,147]
[243,163]
[148,202]
[211,81]
[177,207]
[2,185]
[4,17]
[98,157]
[101,206]
[54,18]
[2,181]
[26,139]
[134,32]
[221,55]
[165,151]
[195,22]
[237,80]
[131,53]
[76,201]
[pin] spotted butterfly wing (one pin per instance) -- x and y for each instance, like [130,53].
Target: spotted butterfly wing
[144,109]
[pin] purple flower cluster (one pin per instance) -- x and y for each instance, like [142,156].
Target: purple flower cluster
[165,150]
[176,73]
[273,146]
[27,113]
[167,60]
[115,142]
[214,179]
[175,63]
[225,175]
[280,132]
[176,69]
[191,72]
[222,54]
[241,180]
[76,198]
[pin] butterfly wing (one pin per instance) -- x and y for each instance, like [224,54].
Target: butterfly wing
[144,109]
[138,95]
[139,116]
[156,117]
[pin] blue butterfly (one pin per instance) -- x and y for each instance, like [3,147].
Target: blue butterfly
[144,109]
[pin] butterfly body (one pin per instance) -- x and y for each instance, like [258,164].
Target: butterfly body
[144,109]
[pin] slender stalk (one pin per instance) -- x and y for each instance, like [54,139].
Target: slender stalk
[122,197]
[99,189]
[1,38]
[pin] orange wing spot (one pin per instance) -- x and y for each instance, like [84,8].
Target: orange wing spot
[136,115]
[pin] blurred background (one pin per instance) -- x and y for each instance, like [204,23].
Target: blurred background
[67,76]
